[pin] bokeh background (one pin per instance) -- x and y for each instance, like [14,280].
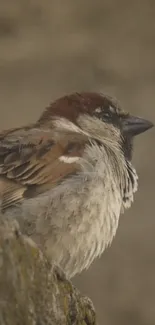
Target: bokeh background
[50,48]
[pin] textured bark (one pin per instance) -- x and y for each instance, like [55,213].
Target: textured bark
[32,291]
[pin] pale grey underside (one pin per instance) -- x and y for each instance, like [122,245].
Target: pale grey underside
[75,221]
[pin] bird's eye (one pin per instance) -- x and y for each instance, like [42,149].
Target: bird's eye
[107,114]
[112,109]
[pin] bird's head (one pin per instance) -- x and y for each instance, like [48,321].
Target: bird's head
[98,116]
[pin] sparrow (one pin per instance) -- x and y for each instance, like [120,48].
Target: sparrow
[68,177]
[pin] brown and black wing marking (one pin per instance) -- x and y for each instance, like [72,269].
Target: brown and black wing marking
[30,165]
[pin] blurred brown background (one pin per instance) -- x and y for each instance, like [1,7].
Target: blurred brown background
[49,48]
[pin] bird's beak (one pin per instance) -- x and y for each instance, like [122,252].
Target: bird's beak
[134,125]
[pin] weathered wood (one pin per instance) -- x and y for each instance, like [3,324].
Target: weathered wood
[32,291]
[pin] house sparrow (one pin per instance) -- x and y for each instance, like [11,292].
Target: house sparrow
[68,177]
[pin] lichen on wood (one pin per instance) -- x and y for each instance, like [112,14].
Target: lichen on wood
[32,291]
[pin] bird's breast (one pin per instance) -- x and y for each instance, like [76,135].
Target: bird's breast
[76,220]
[101,216]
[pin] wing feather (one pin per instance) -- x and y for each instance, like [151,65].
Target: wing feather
[31,165]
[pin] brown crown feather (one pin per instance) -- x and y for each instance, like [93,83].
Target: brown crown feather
[72,105]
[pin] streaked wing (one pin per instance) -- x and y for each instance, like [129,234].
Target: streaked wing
[31,163]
